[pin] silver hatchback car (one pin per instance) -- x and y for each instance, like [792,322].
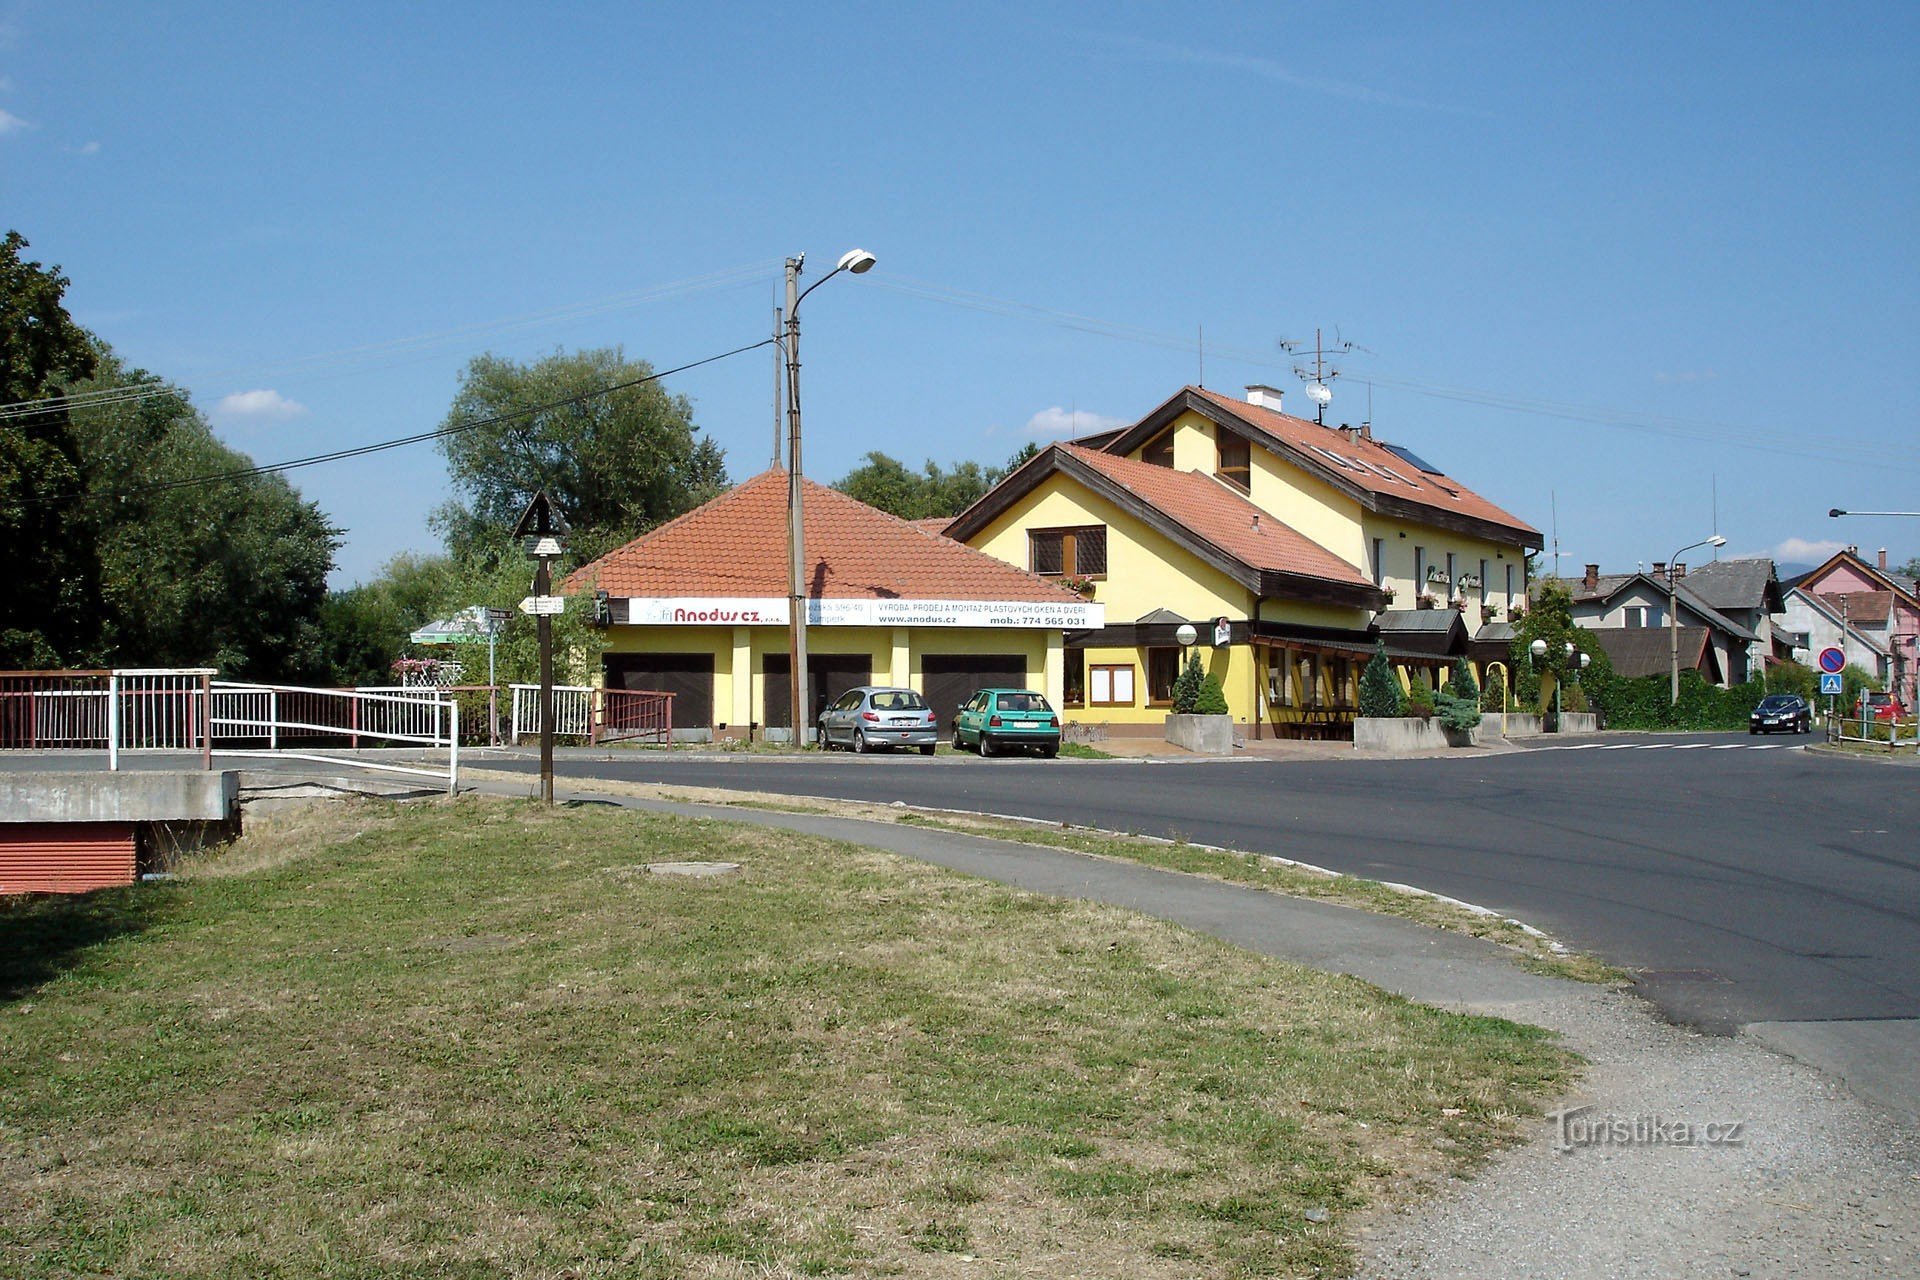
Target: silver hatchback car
[877,716]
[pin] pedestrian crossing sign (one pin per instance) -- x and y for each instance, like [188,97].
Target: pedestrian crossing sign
[1830,683]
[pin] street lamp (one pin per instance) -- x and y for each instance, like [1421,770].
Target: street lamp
[858,262]
[1836,511]
[1673,607]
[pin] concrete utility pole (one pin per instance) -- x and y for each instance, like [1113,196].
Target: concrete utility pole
[1673,606]
[856,261]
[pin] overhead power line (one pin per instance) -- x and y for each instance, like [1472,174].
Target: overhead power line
[366,354]
[380,446]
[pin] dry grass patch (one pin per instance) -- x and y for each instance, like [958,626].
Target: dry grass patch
[1532,950]
[448,1042]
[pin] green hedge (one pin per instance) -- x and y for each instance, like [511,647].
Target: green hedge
[1646,702]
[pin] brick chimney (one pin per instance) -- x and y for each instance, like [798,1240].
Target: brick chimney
[1264,397]
[1660,569]
[1679,570]
[1592,581]
[1883,559]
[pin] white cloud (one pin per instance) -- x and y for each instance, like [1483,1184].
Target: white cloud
[1807,550]
[266,405]
[10,123]
[85,149]
[1057,422]
[1270,69]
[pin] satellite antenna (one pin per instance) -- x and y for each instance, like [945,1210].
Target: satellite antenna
[1320,374]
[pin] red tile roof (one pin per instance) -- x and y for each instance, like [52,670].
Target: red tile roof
[933,524]
[1212,511]
[1868,608]
[1407,482]
[736,545]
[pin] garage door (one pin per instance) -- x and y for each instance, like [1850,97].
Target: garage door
[828,676]
[687,676]
[948,680]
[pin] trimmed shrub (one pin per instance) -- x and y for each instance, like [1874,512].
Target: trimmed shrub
[1493,698]
[1212,700]
[1186,686]
[1379,690]
[1459,701]
[1420,702]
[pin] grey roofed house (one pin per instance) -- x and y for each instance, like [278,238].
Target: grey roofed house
[1440,632]
[1601,588]
[1648,651]
[1606,602]
[1736,584]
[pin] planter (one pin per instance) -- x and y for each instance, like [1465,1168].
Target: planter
[1514,724]
[1203,735]
[1399,733]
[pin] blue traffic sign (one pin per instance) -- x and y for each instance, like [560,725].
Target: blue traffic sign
[1832,660]
[1829,684]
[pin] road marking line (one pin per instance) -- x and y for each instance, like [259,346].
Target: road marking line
[1731,746]
[1688,746]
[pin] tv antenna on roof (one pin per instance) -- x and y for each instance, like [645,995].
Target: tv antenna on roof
[1320,375]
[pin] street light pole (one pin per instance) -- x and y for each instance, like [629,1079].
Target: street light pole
[857,261]
[1673,608]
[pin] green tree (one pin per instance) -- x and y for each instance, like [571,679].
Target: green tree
[367,626]
[1212,700]
[1379,687]
[46,610]
[229,573]
[617,463]
[1911,569]
[1459,699]
[1494,697]
[1187,686]
[1549,617]
[885,482]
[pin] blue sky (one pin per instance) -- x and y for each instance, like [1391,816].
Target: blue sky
[1602,259]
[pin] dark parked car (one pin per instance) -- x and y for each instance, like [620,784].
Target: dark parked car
[876,716]
[1787,711]
[997,719]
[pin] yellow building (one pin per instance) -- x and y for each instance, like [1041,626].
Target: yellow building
[1291,547]
[699,609]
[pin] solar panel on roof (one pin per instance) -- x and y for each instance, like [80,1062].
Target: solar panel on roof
[1409,456]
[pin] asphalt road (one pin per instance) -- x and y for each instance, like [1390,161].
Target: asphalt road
[1746,886]
[1766,890]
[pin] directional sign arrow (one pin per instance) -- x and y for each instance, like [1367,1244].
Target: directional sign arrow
[537,605]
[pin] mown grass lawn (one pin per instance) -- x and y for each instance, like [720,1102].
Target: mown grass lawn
[477,1038]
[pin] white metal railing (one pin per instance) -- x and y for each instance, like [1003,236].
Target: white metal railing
[186,709]
[572,711]
[282,717]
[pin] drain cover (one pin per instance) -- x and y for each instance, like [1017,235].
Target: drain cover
[692,868]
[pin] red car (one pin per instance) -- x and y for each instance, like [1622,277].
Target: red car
[1879,706]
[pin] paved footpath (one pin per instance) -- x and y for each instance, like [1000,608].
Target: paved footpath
[1801,1179]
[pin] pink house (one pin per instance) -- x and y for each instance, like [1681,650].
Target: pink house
[1880,605]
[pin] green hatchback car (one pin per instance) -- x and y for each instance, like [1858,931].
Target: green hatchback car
[996,720]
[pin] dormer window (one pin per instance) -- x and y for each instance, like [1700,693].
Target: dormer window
[1159,451]
[1236,459]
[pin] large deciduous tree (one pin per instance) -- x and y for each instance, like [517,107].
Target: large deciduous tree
[44,613]
[617,463]
[883,481]
[197,563]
